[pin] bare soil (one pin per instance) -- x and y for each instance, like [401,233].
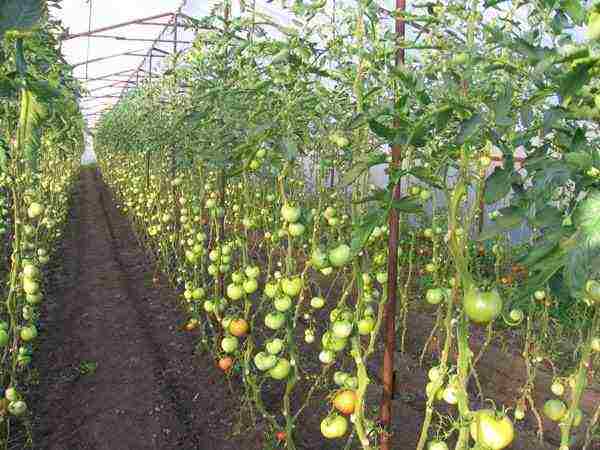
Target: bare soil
[116,369]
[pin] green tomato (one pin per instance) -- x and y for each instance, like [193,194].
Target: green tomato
[291,287]
[281,370]
[28,333]
[283,303]
[290,214]
[317,302]
[340,377]
[264,361]
[366,325]
[271,290]
[557,388]
[437,445]
[592,288]
[234,292]
[296,229]
[275,320]
[4,338]
[334,426]
[434,296]
[35,210]
[555,409]
[319,259]
[30,286]
[229,344]
[327,356]
[342,329]
[330,342]
[340,256]
[492,431]
[17,408]
[482,307]
[275,346]
[250,286]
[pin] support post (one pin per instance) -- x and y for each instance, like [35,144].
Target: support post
[392,281]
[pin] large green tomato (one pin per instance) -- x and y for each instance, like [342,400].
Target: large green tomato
[281,369]
[296,229]
[319,259]
[342,329]
[330,342]
[291,287]
[264,361]
[335,426]
[555,409]
[366,325]
[482,307]
[29,333]
[283,303]
[434,296]
[229,344]
[290,214]
[274,320]
[234,292]
[437,445]
[340,256]
[250,286]
[492,431]
[4,338]
[275,346]
[271,290]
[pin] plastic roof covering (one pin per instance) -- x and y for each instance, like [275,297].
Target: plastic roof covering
[105,92]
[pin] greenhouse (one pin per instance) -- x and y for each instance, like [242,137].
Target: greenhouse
[300,224]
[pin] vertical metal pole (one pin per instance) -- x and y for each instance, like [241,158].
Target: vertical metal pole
[392,282]
[175,26]
[88,41]
[150,64]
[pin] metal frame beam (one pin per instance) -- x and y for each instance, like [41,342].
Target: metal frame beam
[118,25]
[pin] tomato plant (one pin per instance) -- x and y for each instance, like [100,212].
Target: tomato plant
[249,171]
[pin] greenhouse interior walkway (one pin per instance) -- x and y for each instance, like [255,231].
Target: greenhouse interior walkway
[117,373]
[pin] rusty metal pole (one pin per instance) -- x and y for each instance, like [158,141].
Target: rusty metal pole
[392,281]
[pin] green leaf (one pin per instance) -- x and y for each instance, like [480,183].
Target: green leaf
[582,263]
[510,218]
[468,128]
[497,186]
[575,10]
[409,205]
[362,230]
[579,160]
[19,15]
[587,215]
[381,130]
[547,217]
[442,118]
[576,78]
[502,107]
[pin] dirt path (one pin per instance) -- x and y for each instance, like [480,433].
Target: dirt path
[115,371]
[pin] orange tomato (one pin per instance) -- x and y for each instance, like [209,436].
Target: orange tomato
[225,363]
[239,327]
[345,401]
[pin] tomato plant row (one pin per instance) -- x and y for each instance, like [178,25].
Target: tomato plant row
[41,138]
[246,169]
